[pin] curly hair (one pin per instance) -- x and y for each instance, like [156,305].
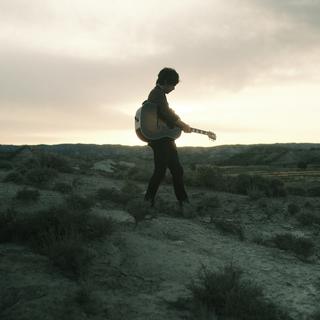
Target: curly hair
[168,76]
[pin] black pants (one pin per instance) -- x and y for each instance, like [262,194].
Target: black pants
[166,156]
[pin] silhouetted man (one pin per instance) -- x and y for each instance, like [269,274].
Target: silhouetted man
[164,149]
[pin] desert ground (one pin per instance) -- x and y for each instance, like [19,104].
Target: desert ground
[78,242]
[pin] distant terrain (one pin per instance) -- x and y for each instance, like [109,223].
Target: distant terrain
[78,242]
[261,154]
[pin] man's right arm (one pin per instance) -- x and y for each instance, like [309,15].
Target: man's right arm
[185,127]
[164,112]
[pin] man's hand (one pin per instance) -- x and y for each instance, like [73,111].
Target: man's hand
[186,128]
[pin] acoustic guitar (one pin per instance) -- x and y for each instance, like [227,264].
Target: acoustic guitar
[150,127]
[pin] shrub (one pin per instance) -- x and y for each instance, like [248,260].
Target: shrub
[229,226]
[40,177]
[28,195]
[271,209]
[129,191]
[62,187]
[66,251]
[224,294]
[109,194]
[243,183]
[314,192]
[270,187]
[307,219]
[28,164]
[7,225]
[209,176]
[85,166]
[15,177]
[308,205]
[8,298]
[262,203]
[165,206]
[59,233]
[293,208]
[5,165]
[315,315]
[86,300]
[276,188]
[302,165]
[55,161]
[138,210]
[208,204]
[254,193]
[296,191]
[301,246]
[61,220]
[140,173]
[79,203]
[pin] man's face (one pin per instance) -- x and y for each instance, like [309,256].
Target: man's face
[168,88]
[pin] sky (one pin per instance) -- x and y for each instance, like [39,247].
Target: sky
[76,71]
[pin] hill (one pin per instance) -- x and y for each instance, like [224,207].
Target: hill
[286,154]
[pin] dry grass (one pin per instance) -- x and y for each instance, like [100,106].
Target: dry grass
[61,233]
[300,246]
[225,295]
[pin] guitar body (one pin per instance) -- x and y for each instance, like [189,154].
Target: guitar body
[150,127]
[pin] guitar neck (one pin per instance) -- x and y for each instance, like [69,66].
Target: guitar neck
[199,131]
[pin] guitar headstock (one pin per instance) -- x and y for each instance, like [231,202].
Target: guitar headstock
[211,135]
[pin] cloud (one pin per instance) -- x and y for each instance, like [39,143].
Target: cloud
[218,44]
[80,65]
[65,120]
[300,12]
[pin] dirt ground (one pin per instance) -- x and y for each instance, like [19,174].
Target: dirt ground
[137,272]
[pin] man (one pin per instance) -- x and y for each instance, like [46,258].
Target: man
[164,149]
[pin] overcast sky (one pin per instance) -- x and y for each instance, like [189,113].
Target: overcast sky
[75,71]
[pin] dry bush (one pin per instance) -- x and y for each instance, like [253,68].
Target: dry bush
[8,298]
[61,233]
[105,195]
[66,251]
[54,161]
[271,209]
[211,177]
[40,177]
[5,165]
[138,209]
[315,315]
[224,294]
[208,204]
[7,225]
[230,226]
[140,173]
[79,203]
[293,208]
[308,219]
[15,177]
[270,187]
[27,195]
[39,170]
[129,191]
[314,191]
[296,191]
[87,301]
[301,246]
[254,193]
[62,187]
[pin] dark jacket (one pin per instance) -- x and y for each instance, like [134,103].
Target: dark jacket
[158,96]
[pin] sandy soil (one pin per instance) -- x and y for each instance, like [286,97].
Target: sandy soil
[137,271]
